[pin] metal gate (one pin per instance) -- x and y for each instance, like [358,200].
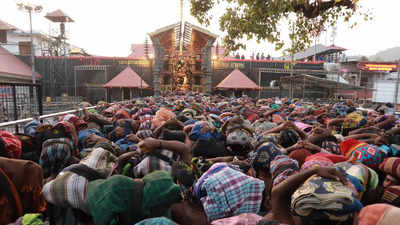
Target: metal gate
[20,101]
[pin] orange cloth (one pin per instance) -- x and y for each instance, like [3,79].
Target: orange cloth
[347,147]
[27,177]
[162,116]
[10,211]
[379,214]
[300,156]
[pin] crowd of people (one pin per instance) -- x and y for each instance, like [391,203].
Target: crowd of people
[205,159]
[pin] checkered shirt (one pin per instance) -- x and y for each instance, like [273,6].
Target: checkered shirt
[230,193]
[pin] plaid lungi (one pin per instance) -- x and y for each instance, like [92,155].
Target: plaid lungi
[230,193]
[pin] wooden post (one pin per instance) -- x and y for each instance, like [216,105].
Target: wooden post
[304,86]
[75,81]
[259,83]
[397,89]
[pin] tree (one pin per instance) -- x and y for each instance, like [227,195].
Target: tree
[262,19]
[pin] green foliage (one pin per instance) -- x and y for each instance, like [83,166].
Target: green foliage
[262,19]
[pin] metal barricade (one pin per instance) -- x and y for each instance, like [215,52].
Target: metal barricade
[20,101]
[18,125]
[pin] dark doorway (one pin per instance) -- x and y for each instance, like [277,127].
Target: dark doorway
[127,93]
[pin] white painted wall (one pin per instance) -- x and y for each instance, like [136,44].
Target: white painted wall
[40,44]
[384,91]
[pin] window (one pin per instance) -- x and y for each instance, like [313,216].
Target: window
[167,79]
[274,83]
[197,80]
[24,47]
[3,36]
[166,66]
[198,66]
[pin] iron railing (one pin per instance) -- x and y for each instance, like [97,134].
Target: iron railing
[18,125]
[20,101]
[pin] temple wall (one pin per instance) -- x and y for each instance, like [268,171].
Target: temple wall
[58,72]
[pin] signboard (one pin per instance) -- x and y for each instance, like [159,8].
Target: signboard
[5,91]
[230,65]
[378,67]
[141,62]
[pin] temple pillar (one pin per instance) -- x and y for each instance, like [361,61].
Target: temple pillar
[158,65]
[206,66]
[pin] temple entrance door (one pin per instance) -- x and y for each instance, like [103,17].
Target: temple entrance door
[126,93]
[238,93]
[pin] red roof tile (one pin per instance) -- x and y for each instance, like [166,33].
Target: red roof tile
[11,65]
[128,79]
[237,80]
[6,26]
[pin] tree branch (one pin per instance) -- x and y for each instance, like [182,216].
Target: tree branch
[313,10]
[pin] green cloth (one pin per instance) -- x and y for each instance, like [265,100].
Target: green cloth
[158,194]
[126,170]
[275,106]
[114,201]
[32,219]
[92,111]
[157,221]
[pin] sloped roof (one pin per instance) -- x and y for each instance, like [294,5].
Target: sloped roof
[167,37]
[58,16]
[237,80]
[194,38]
[6,26]
[127,79]
[315,50]
[11,65]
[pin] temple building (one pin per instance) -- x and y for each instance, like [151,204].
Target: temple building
[182,58]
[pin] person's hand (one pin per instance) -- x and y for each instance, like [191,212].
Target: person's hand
[291,125]
[331,173]
[286,124]
[381,141]
[299,145]
[149,144]
[173,122]
[188,129]
[93,139]
[124,158]
[235,119]
[310,117]
[206,128]
[349,120]
[392,118]
[312,147]
[133,138]
[119,131]
[321,132]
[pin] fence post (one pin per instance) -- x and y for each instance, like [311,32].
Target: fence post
[40,98]
[32,105]
[14,95]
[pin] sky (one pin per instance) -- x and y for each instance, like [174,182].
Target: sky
[108,28]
